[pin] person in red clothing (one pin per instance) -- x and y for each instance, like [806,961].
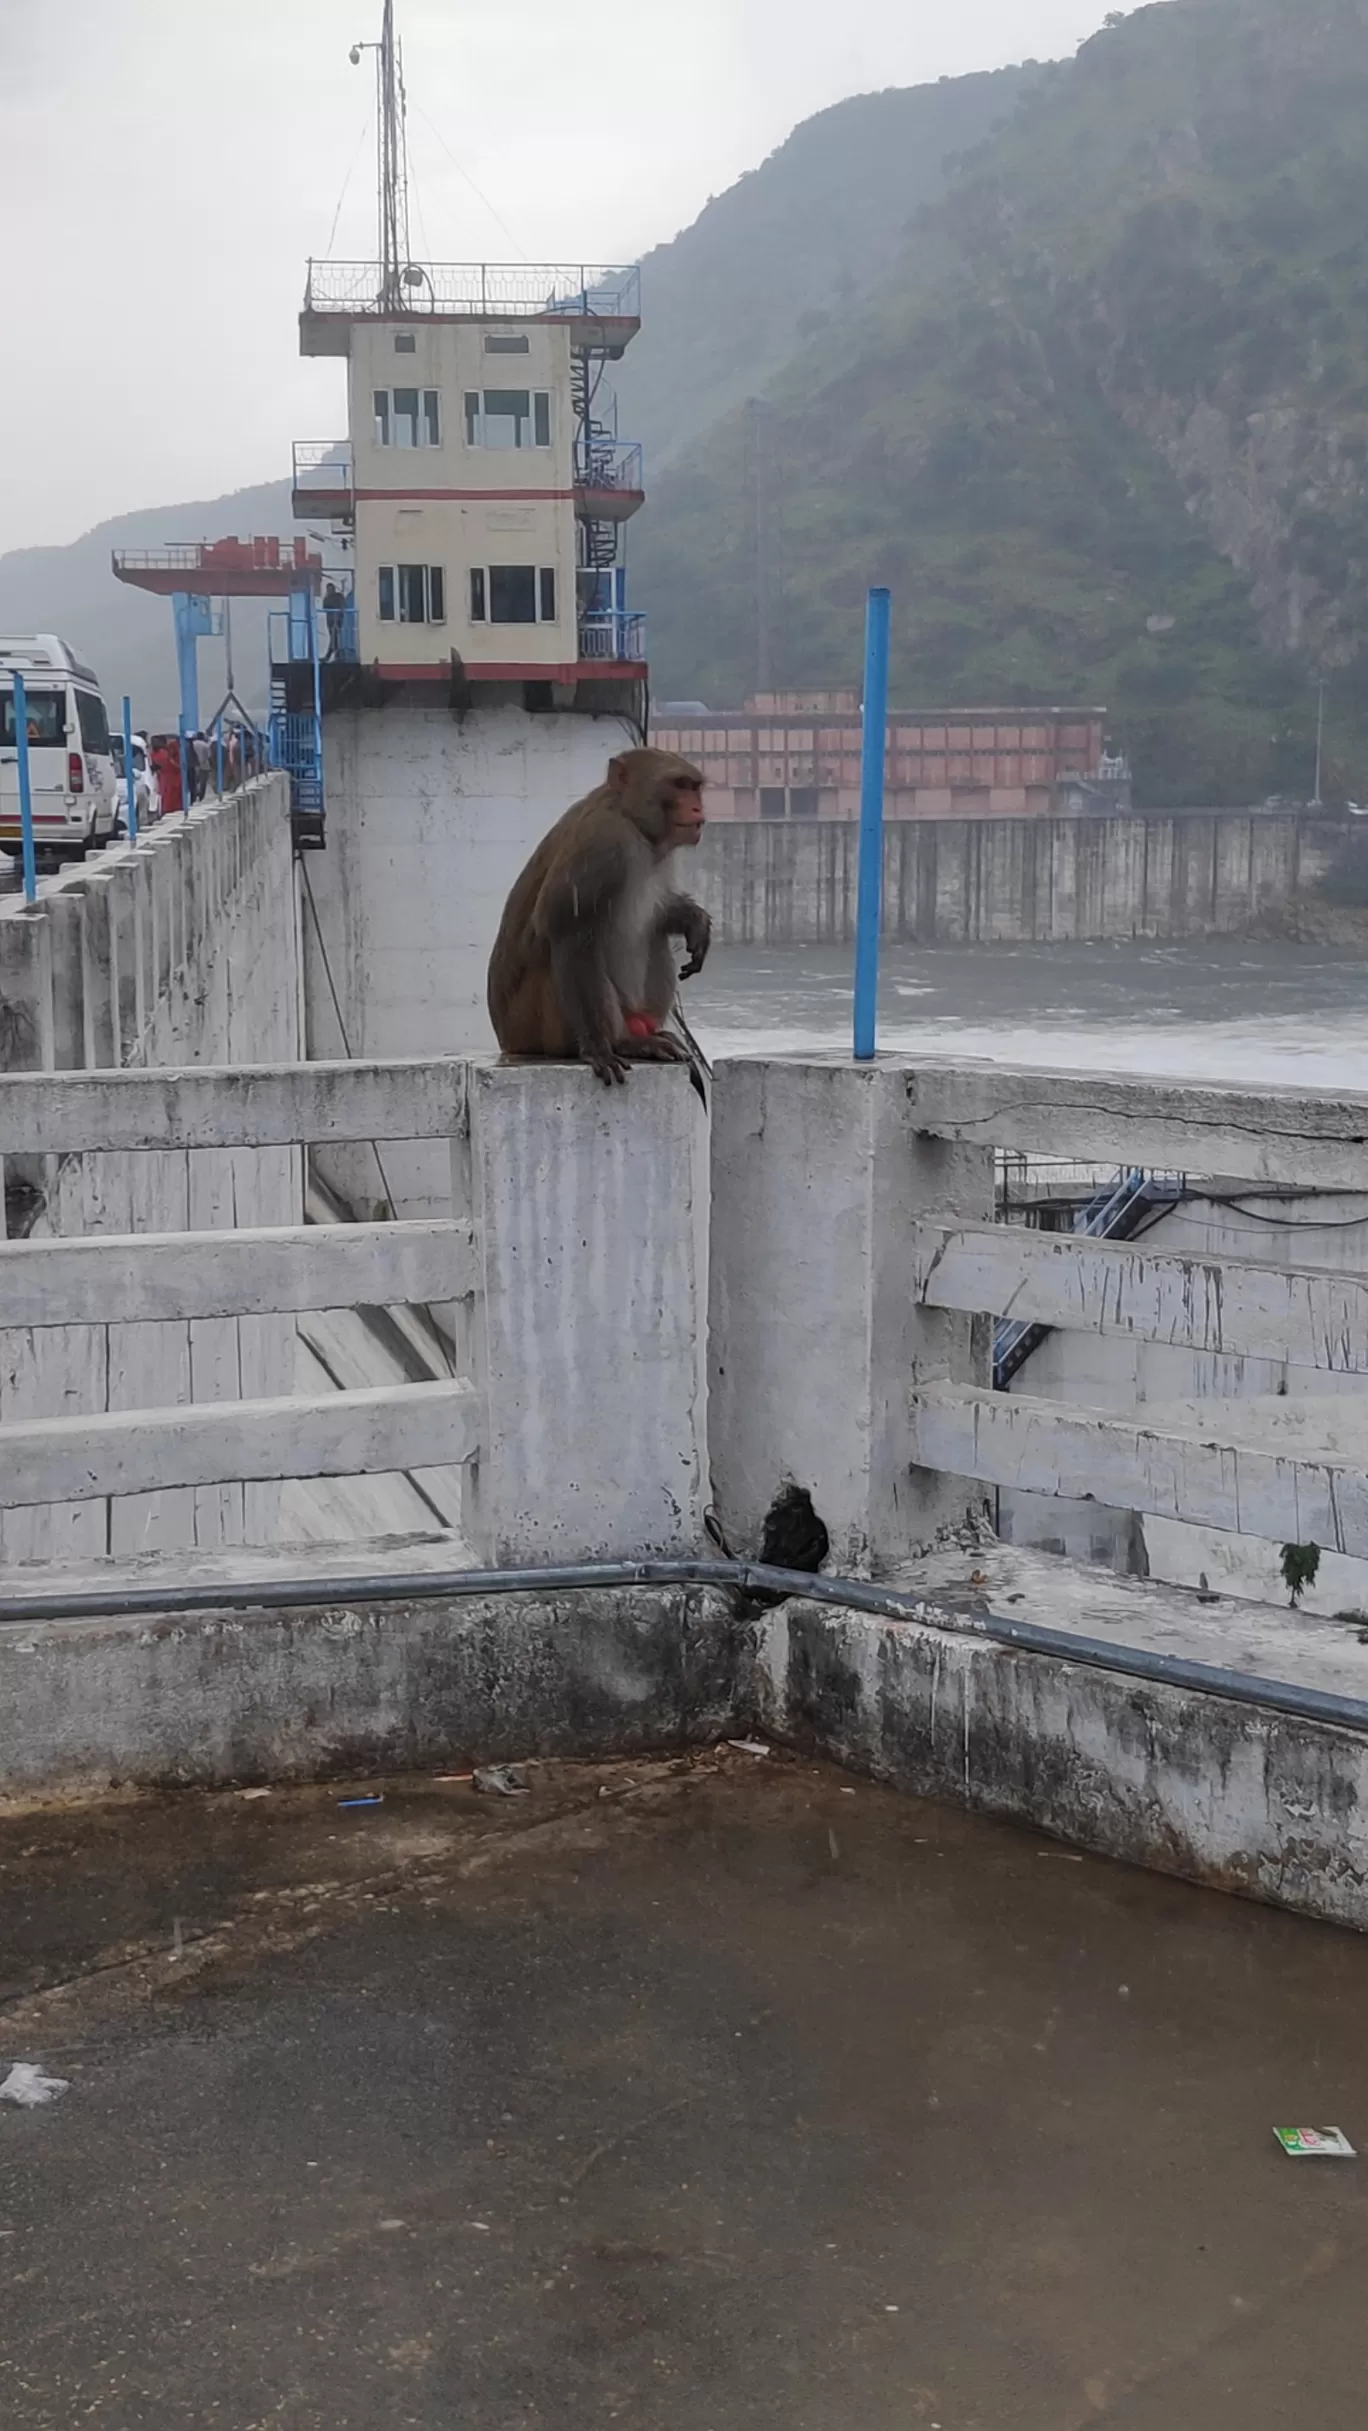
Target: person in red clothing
[166,761]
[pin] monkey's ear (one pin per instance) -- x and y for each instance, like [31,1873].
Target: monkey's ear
[618,773]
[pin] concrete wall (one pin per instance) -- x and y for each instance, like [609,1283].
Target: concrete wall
[429,823]
[178,950]
[1235,1795]
[1014,881]
[265,1696]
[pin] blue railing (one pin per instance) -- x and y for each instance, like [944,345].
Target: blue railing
[1113,1213]
[291,643]
[613,636]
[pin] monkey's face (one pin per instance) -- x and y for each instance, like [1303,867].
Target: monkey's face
[683,806]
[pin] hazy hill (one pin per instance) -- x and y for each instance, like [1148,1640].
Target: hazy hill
[774,259]
[126,634]
[1103,425]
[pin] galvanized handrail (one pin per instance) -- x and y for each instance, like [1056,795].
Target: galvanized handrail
[537,290]
[327,462]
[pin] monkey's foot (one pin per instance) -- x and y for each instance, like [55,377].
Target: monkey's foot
[660,1047]
[607,1063]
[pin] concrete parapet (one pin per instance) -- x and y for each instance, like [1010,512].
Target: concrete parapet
[1205,1741]
[178,950]
[1235,1792]
[95,1706]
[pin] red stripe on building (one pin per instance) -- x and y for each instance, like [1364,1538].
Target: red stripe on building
[576,671]
[373,497]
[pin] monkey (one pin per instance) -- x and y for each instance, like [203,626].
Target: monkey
[583,966]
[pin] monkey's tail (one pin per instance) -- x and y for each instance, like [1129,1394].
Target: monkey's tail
[700,1070]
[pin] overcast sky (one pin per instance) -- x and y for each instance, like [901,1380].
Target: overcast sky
[166,166]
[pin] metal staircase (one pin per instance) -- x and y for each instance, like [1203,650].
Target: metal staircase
[595,439]
[1117,1212]
[297,734]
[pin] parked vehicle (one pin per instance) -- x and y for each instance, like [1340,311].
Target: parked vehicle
[146,792]
[71,768]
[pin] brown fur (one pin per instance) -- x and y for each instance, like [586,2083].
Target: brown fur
[584,939]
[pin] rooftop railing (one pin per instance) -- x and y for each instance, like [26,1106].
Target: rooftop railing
[526,290]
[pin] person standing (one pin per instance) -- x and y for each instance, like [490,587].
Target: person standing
[334,609]
[167,763]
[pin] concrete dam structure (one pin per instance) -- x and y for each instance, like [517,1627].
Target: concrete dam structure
[1016,881]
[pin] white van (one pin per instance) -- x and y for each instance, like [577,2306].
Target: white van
[72,777]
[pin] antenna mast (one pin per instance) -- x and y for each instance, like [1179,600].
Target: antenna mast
[391,114]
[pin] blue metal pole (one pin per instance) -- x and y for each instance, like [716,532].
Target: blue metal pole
[870,897]
[25,789]
[188,609]
[131,818]
[184,769]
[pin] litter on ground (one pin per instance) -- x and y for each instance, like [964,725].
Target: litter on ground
[1315,2143]
[28,2088]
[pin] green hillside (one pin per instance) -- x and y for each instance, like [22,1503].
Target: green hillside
[775,259]
[1103,425]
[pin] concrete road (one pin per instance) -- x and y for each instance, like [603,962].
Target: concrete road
[723,2095]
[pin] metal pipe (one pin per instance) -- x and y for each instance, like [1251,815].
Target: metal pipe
[874,744]
[854,1595]
[21,741]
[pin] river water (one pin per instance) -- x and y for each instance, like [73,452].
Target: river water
[1216,1009]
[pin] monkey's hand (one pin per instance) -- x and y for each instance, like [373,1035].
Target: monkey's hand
[689,921]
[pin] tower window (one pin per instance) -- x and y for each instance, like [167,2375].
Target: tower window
[408,417]
[507,342]
[412,595]
[508,417]
[513,595]
[405,342]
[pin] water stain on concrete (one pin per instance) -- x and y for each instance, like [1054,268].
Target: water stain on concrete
[696,2093]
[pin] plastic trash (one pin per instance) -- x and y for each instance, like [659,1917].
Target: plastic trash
[28,2088]
[502,1781]
[749,1747]
[377,1800]
[1301,2143]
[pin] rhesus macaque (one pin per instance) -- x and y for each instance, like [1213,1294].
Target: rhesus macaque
[583,965]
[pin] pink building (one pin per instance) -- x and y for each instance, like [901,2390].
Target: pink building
[796,755]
